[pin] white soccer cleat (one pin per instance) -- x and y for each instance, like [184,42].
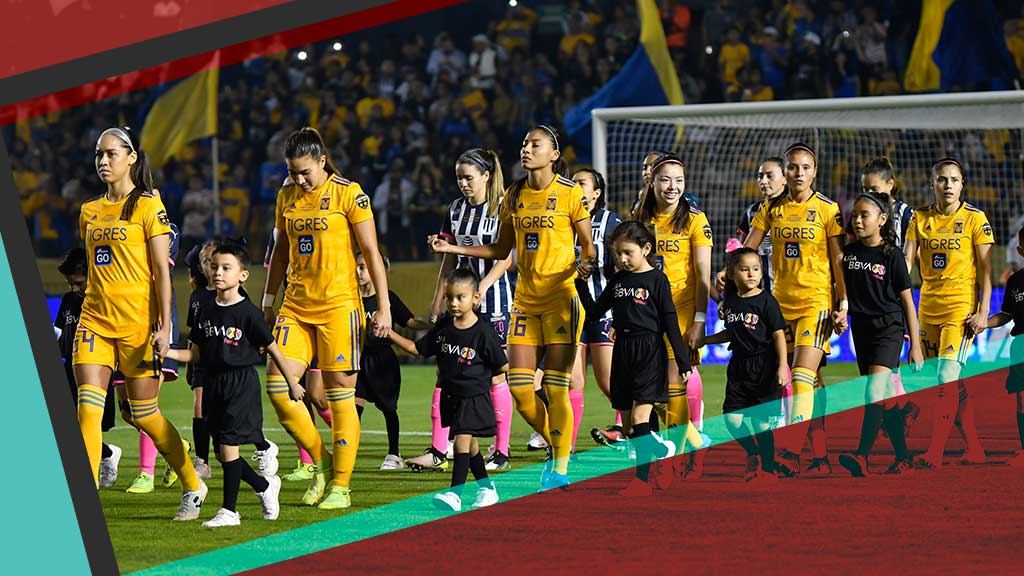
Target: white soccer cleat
[392,462]
[449,501]
[202,468]
[450,452]
[108,467]
[669,445]
[224,517]
[269,498]
[485,497]
[192,503]
[266,460]
[536,442]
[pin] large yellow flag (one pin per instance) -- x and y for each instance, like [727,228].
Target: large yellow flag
[185,112]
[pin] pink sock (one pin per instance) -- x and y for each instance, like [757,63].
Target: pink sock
[576,400]
[325,415]
[304,456]
[897,386]
[439,434]
[147,454]
[787,395]
[503,411]
[618,418]
[694,394]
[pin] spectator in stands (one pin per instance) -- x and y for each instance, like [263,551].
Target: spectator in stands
[807,76]
[445,59]
[197,206]
[675,17]
[234,204]
[483,64]
[753,88]
[774,60]
[871,36]
[733,55]
[390,203]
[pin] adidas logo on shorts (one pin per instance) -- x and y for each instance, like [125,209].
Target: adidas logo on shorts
[949,348]
[561,330]
[341,442]
[340,358]
[807,333]
[556,432]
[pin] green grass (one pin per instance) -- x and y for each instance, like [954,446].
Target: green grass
[143,534]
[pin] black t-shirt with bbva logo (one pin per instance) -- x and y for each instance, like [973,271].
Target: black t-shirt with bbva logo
[466,358]
[1013,302]
[400,316]
[230,336]
[751,322]
[874,280]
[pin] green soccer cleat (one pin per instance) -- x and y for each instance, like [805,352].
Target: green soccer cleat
[170,476]
[143,484]
[337,499]
[317,485]
[302,473]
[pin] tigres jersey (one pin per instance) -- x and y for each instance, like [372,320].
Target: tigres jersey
[321,249]
[945,258]
[800,262]
[121,296]
[674,254]
[543,221]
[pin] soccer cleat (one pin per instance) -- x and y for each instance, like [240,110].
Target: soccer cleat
[972,459]
[788,465]
[449,453]
[762,477]
[202,468]
[537,442]
[270,498]
[612,437]
[663,473]
[498,462]
[191,503]
[302,472]
[317,485]
[337,499]
[429,460]
[108,467]
[448,501]
[549,463]
[752,468]
[554,480]
[392,462]
[266,460]
[485,497]
[670,446]
[143,484]
[636,488]
[904,466]
[696,471]
[819,467]
[925,463]
[224,517]
[170,476]
[857,464]
[910,413]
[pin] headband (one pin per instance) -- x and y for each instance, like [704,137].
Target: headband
[952,161]
[803,147]
[877,202]
[552,133]
[475,157]
[120,134]
[667,160]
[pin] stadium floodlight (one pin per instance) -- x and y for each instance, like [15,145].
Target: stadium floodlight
[302,55]
[337,46]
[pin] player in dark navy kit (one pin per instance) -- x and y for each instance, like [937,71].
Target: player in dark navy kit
[1013,309]
[469,355]
[640,298]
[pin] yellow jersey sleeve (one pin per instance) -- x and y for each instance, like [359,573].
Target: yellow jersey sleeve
[982,229]
[700,229]
[833,220]
[578,209]
[761,220]
[355,204]
[674,256]
[154,217]
[912,234]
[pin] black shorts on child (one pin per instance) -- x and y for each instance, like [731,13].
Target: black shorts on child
[639,371]
[751,381]
[878,341]
[1015,376]
[380,379]
[473,415]
[232,406]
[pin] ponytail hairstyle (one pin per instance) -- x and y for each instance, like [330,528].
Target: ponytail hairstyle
[599,184]
[888,229]
[882,167]
[464,274]
[638,233]
[308,142]
[732,260]
[645,211]
[139,172]
[487,161]
[560,168]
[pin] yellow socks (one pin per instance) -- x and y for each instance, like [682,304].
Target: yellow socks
[803,394]
[294,417]
[520,384]
[678,414]
[91,400]
[344,433]
[560,419]
[147,417]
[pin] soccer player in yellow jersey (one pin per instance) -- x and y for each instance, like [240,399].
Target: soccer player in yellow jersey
[318,214]
[951,243]
[683,253]
[543,215]
[126,316]
[807,257]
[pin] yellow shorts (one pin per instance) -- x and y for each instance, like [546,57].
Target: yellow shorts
[336,343]
[950,341]
[132,355]
[685,317]
[812,331]
[560,323]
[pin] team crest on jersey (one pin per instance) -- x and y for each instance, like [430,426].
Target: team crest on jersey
[811,215]
[958,227]
[363,201]
[986,229]
[325,203]
[162,218]
[707,232]
[281,320]
[93,217]
[552,204]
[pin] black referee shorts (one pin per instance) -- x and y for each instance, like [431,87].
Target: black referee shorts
[639,371]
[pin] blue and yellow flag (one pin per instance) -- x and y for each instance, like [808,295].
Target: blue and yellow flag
[184,111]
[960,44]
[648,78]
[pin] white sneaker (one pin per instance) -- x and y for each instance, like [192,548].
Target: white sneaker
[450,452]
[392,462]
[202,468]
[448,501]
[266,460]
[191,503]
[668,444]
[108,467]
[536,442]
[224,517]
[269,498]
[485,497]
